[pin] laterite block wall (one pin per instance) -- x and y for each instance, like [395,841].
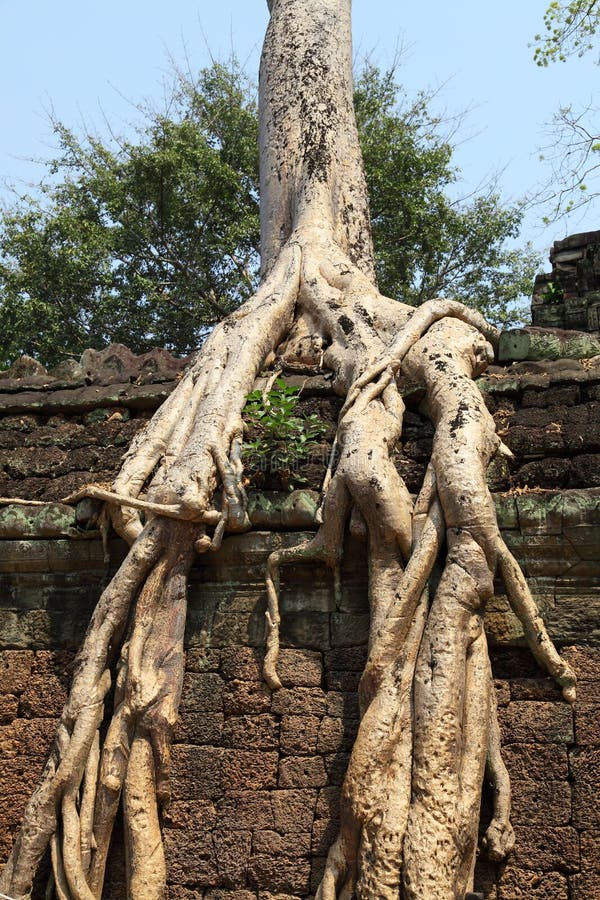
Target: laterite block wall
[257,774]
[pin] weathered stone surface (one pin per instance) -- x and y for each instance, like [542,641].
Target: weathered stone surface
[546,803]
[299,735]
[517,883]
[528,721]
[587,724]
[15,670]
[584,763]
[546,343]
[258,732]
[302,772]
[301,668]
[198,728]
[256,774]
[536,761]
[545,849]
[246,809]
[251,770]
[279,874]
[584,886]
[293,810]
[271,843]
[300,702]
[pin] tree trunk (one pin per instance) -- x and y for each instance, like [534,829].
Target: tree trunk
[410,800]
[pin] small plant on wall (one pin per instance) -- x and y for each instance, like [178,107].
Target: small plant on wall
[553,293]
[278,440]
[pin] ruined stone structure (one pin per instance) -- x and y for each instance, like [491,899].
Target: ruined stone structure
[257,773]
[569,295]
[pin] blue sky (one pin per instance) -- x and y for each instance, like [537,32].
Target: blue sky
[90,61]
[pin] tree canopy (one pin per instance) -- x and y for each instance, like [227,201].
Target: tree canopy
[574,147]
[152,239]
[569,31]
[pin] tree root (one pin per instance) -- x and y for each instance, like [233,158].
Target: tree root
[410,800]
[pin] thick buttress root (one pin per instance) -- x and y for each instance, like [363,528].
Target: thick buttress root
[429,727]
[428,716]
[410,801]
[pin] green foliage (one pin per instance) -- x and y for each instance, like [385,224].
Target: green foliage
[426,243]
[147,241]
[280,440]
[572,154]
[553,293]
[569,30]
[152,240]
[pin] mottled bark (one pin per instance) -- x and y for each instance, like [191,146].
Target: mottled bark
[410,800]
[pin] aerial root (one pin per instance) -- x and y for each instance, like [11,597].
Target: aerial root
[423,317]
[499,838]
[167,510]
[145,859]
[478,689]
[536,634]
[88,800]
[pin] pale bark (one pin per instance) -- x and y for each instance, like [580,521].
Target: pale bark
[410,800]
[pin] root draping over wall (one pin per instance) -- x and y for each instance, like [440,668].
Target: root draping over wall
[410,800]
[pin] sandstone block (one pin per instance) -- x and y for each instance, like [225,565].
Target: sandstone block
[585,772]
[27,738]
[348,630]
[242,663]
[537,762]
[232,852]
[587,723]
[196,773]
[191,858]
[191,814]
[517,883]
[335,734]
[9,705]
[590,849]
[585,886]
[202,659]
[324,834]
[195,728]
[585,661]
[202,692]
[348,659]
[535,689]
[246,698]
[305,629]
[271,843]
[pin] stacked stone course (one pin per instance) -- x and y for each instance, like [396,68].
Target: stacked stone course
[256,775]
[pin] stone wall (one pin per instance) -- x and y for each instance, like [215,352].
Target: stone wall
[257,774]
[569,295]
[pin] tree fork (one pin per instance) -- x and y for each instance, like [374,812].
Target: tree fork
[410,800]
